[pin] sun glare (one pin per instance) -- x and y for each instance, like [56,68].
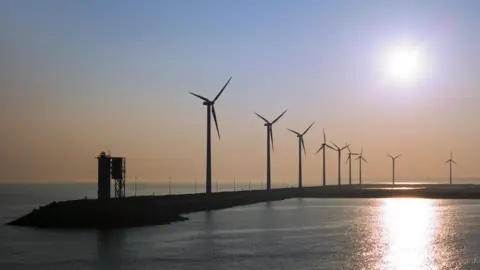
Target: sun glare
[409,226]
[402,64]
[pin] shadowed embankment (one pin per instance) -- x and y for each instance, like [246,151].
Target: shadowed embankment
[157,210]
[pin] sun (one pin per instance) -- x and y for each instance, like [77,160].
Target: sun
[403,64]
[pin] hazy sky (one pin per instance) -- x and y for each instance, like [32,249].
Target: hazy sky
[79,77]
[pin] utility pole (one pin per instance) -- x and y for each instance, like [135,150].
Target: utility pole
[169,185]
[135,186]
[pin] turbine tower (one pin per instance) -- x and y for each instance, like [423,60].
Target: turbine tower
[393,169]
[339,150]
[301,144]
[210,110]
[451,161]
[360,158]
[323,147]
[269,140]
[349,160]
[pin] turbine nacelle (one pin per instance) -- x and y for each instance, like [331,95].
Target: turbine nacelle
[350,152]
[269,124]
[324,144]
[211,104]
[360,156]
[300,136]
[451,159]
[394,158]
[339,149]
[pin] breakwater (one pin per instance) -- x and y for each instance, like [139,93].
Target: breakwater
[157,210]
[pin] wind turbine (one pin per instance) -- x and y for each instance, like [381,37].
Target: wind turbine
[451,161]
[360,158]
[323,147]
[349,160]
[210,110]
[269,140]
[301,144]
[393,170]
[339,150]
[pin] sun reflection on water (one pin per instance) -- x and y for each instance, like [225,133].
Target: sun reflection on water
[408,228]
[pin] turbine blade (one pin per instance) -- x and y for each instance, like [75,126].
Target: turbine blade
[308,128]
[271,137]
[320,149]
[454,162]
[341,149]
[221,91]
[303,144]
[390,156]
[261,117]
[279,117]
[348,146]
[331,147]
[398,156]
[358,157]
[324,137]
[294,131]
[447,161]
[335,145]
[361,150]
[364,159]
[215,119]
[200,97]
[348,158]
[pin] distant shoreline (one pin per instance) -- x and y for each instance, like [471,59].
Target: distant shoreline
[158,210]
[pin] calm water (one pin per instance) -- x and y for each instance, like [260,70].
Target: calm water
[292,234]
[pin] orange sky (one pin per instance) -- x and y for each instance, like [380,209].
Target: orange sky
[67,94]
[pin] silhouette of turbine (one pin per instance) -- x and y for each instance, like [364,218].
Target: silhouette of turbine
[339,150]
[210,110]
[323,147]
[393,169]
[349,160]
[451,161]
[301,144]
[269,140]
[360,158]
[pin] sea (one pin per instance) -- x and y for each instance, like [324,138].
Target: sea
[394,233]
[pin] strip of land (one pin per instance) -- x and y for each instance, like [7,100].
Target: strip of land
[157,210]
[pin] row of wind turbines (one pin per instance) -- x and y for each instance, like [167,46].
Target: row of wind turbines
[211,111]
